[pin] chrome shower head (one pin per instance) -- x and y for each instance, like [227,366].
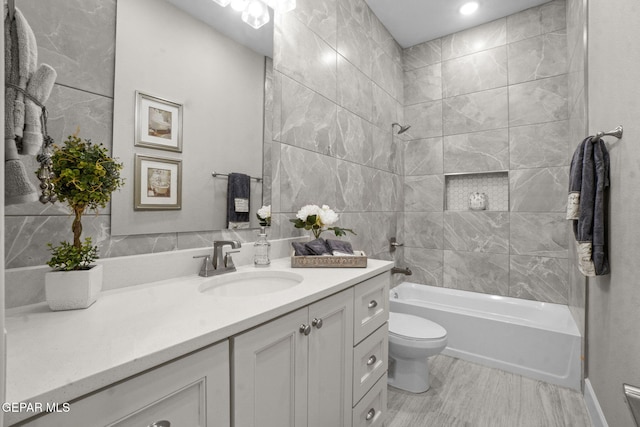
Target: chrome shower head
[403,128]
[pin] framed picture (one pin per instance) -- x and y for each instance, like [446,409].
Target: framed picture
[157,183]
[158,123]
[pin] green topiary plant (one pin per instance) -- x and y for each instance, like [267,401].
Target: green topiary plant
[85,177]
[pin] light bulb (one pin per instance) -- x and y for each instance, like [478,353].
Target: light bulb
[469,8]
[239,5]
[256,14]
[222,3]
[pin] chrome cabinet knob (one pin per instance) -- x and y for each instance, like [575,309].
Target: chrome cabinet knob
[163,423]
[370,414]
[305,329]
[372,360]
[373,304]
[317,323]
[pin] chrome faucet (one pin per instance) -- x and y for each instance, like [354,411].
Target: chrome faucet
[221,262]
[218,260]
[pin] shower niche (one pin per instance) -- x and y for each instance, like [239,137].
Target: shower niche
[477,191]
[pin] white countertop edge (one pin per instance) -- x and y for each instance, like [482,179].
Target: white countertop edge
[74,387]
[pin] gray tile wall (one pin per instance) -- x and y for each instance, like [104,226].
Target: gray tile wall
[494,97]
[338,84]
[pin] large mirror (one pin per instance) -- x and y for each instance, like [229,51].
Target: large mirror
[198,97]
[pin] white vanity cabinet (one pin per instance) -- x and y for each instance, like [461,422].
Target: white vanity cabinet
[296,370]
[323,365]
[190,391]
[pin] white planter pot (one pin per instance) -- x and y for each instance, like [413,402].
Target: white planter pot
[72,290]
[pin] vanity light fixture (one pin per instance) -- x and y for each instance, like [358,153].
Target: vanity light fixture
[469,8]
[256,12]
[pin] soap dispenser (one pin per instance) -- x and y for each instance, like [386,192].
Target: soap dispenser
[261,249]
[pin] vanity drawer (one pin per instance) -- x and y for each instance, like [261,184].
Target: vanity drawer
[371,306]
[175,393]
[370,360]
[372,409]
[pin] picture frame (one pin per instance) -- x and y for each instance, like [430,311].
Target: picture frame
[157,183]
[158,123]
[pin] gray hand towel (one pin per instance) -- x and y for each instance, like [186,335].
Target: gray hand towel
[238,195]
[589,179]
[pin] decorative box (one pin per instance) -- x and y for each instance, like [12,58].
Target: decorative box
[358,260]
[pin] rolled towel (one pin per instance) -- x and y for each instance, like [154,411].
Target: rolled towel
[318,247]
[17,188]
[39,87]
[339,247]
[300,249]
[26,55]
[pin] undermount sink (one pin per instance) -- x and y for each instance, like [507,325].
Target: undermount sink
[250,283]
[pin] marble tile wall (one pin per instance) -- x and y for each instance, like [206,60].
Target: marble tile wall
[492,98]
[338,83]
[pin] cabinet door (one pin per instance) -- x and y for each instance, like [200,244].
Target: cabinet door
[191,391]
[270,374]
[330,361]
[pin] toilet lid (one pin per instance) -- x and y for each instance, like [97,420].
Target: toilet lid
[414,327]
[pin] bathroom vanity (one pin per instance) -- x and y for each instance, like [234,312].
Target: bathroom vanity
[172,353]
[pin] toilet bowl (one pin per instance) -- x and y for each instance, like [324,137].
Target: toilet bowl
[412,340]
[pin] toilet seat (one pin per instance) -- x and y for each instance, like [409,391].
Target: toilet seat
[414,328]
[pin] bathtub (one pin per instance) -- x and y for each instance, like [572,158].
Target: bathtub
[535,339]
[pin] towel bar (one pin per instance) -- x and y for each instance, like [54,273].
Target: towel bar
[216,174]
[617,132]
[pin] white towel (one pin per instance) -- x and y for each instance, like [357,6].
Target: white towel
[39,87]
[20,63]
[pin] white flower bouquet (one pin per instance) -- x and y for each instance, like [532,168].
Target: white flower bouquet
[318,219]
[264,216]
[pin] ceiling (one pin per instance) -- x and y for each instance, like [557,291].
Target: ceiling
[227,21]
[410,22]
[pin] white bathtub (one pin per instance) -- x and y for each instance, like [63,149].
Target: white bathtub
[535,339]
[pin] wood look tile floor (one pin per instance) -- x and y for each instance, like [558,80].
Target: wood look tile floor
[465,394]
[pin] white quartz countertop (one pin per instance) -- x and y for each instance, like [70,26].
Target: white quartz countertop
[60,356]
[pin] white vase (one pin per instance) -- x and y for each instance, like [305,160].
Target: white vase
[72,290]
[477,201]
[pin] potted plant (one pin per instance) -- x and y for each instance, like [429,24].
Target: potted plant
[85,177]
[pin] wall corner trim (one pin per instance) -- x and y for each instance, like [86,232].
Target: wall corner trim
[593,406]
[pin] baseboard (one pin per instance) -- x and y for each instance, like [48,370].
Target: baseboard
[593,406]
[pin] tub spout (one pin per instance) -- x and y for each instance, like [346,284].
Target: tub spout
[406,271]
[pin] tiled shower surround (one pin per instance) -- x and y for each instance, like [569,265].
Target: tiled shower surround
[339,82]
[491,98]
[337,90]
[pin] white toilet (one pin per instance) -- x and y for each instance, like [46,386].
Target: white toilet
[412,340]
